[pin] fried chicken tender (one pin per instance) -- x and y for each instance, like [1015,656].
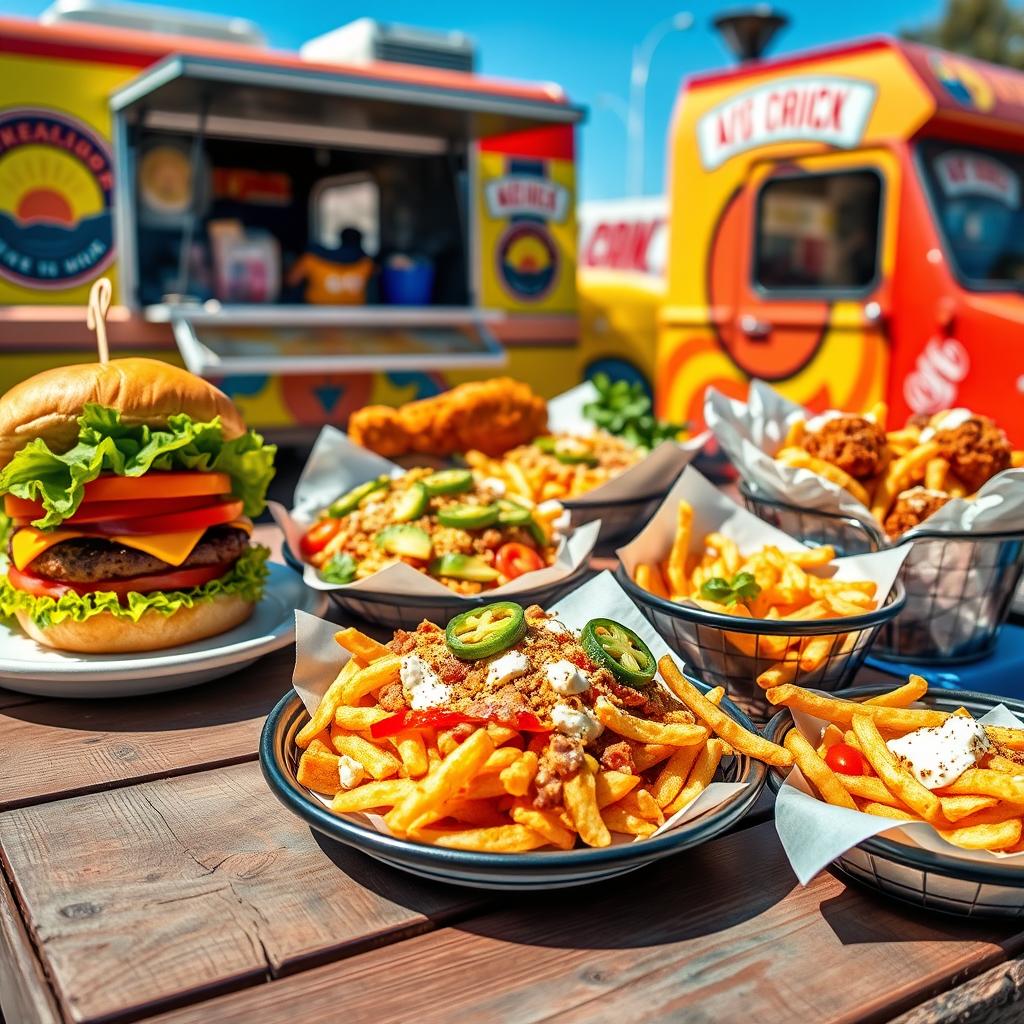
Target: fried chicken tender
[976,450]
[491,416]
[853,443]
[912,507]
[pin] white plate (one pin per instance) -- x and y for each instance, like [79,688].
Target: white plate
[29,667]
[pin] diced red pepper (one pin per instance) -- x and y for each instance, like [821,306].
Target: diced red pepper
[438,718]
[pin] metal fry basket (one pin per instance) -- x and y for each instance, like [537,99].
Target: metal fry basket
[959,585]
[729,651]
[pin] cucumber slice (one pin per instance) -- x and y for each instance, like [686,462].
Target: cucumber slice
[405,541]
[468,517]
[449,481]
[464,567]
[349,502]
[412,504]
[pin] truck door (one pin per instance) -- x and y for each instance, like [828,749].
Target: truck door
[811,284]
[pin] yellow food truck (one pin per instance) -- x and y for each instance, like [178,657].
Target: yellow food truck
[848,224]
[312,235]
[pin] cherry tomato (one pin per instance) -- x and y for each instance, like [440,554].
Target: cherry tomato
[846,760]
[318,536]
[513,560]
[179,579]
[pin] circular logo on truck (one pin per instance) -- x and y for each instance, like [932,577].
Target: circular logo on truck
[55,196]
[527,260]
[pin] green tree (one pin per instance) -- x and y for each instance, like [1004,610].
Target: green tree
[992,30]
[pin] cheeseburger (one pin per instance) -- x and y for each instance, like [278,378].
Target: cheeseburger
[128,486]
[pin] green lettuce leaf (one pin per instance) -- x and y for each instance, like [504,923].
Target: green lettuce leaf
[245,580]
[106,445]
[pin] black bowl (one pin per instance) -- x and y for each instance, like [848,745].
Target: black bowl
[910,874]
[511,872]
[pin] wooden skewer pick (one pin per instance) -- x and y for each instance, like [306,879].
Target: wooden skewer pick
[96,315]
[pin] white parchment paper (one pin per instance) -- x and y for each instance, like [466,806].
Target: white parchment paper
[752,432]
[336,465]
[814,833]
[648,477]
[318,660]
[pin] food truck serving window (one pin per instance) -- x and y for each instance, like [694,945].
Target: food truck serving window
[976,195]
[818,232]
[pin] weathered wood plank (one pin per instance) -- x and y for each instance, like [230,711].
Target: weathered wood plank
[57,748]
[25,994]
[147,895]
[721,933]
[996,997]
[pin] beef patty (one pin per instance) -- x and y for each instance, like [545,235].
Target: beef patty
[91,559]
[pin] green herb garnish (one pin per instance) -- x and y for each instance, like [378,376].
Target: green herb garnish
[743,588]
[624,408]
[340,569]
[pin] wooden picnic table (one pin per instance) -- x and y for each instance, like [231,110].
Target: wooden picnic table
[149,874]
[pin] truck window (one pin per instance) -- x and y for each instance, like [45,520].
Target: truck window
[976,196]
[818,233]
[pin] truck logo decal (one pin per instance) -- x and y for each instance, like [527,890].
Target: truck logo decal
[523,195]
[55,197]
[816,108]
[933,383]
[963,173]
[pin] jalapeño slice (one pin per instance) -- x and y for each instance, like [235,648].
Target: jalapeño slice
[448,481]
[619,649]
[481,632]
[468,517]
[349,502]
[412,504]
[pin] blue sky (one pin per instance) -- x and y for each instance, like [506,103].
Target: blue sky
[584,46]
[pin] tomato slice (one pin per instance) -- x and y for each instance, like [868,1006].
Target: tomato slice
[179,579]
[512,560]
[174,522]
[317,537]
[157,486]
[845,759]
[98,512]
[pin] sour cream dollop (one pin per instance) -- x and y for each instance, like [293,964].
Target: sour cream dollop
[947,421]
[565,678]
[421,684]
[506,668]
[350,772]
[578,722]
[939,755]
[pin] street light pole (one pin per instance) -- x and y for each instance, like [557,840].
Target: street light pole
[642,55]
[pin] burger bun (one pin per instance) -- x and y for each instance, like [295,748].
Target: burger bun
[106,634]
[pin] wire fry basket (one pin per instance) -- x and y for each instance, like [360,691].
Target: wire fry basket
[847,535]
[959,586]
[729,651]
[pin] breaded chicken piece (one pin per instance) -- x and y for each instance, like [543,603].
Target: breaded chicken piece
[976,450]
[491,416]
[912,508]
[852,443]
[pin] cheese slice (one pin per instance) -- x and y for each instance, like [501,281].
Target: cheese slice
[28,543]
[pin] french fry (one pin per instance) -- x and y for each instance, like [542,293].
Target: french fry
[358,719]
[516,778]
[954,808]
[673,775]
[813,558]
[817,772]
[372,794]
[649,577]
[372,677]
[611,787]
[840,711]
[546,823]
[680,549]
[718,721]
[936,472]
[899,475]
[647,755]
[500,760]
[413,751]
[799,459]
[829,738]
[984,837]
[579,793]
[378,762]
[318,771]
[641,803]
[500,839]
[903,696]
[887,811]
[360,645]
[324,714]
[676,734]
[986,782]
[454,772]
[701,774]
[897,779]
[618,819]
[868,787]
